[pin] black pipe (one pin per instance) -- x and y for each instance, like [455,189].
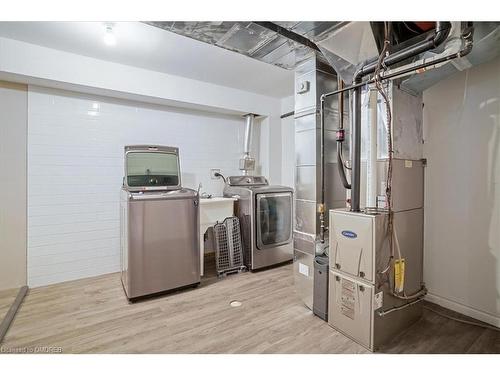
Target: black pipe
[340,85]
[288,114]
[289,34]
[340,138]
[440,35]
[321,207]
[412,69]
[356,149]
[348,88]
[340,166]
[467,35]
[463,52]
[431,42]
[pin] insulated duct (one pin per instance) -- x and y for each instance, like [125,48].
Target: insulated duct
[343,45]
[284,44]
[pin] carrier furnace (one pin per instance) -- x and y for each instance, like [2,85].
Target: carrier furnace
[362,291]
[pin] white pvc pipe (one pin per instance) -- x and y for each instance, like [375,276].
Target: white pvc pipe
[371,168]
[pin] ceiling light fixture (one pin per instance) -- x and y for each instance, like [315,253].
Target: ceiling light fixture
[109,37]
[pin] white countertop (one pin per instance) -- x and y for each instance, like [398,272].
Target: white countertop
[216,200]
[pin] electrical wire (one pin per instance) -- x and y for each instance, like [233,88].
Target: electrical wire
[420,293]
[396,240]
[411,29]
[344,163]
[340,85]
[403,296]
[391,235]
[218,174]
[462,320]
[397,308]
[388,190]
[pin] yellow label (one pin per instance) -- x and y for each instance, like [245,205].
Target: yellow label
[399,275]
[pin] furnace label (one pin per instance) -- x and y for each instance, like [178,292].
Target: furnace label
[347,298]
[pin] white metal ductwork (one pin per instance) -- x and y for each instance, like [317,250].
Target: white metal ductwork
[312,202]
[247,163]
[347,47]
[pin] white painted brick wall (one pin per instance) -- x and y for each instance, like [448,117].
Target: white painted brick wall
[75,171]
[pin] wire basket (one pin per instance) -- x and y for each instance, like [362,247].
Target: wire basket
[228,248]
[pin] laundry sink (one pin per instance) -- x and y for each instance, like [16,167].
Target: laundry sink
[213,210]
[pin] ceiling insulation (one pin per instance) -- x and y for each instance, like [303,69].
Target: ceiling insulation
[343,45]
[254,40]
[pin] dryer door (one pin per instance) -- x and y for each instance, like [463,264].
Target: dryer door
[274,219]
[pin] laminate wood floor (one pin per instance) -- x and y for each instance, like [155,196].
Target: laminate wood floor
[7,298]
[93,316]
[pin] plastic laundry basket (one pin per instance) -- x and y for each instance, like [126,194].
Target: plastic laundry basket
[228,248]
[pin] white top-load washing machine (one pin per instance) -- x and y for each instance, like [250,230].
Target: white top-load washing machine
[159,223]
[265,213]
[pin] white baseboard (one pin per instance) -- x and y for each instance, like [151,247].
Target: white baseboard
[465,310]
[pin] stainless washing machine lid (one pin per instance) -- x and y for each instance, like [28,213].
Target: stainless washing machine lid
[150,168]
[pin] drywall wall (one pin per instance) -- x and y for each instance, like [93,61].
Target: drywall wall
[277,146]
[462,192]
[274,147]
[33,64]
[104,82]
[75,170]
[13,122]
[288,142]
